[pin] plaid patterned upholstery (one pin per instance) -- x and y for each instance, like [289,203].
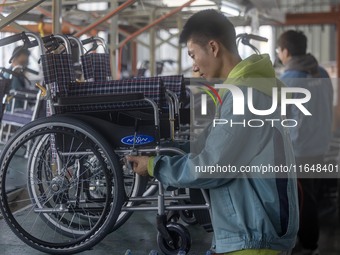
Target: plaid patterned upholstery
[48,68]
[96,67]
[58,70]
[175,83]
[4,89]
[187,81]
[152,88]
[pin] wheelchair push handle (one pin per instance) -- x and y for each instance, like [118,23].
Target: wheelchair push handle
[102,41]
[88,40]
[33,44]
[245,39]
[75,42]
[94,40]
[52,42]
[14,38]
[24,36]
[47,39]
[253,37]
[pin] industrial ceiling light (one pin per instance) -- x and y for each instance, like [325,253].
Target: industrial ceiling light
[230,9]
[172,3]
[99,6]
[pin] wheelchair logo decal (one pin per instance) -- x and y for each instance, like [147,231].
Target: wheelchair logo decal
[138,140]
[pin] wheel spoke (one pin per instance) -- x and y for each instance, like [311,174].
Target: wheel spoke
[59,206]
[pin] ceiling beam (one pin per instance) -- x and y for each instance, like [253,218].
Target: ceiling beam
[68,24]
[65,29]
[152,24]
[106,17]
[18,12]
[75,2]
[168,40]
[315,18]
[16,26]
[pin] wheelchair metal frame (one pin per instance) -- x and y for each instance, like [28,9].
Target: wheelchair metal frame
[173,104]
[162,197]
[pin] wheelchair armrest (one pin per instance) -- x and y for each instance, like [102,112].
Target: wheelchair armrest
[24,94]
[25,91]
[100,99]
[28,98]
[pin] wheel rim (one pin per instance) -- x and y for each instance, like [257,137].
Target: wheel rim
[181,239]
[21,221]
[69,227]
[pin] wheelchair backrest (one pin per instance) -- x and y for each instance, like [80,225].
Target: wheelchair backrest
[58,70]
[96,67]
[176,84]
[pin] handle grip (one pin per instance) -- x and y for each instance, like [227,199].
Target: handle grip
[13,38]
[88,40]
[257,38]
[252,36]
[48,38]
[33,44]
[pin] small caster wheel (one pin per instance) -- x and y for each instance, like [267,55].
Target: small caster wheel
[188,217]
[173,216]
[181,240]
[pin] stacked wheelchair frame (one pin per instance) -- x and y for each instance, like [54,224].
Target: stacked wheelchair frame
[78,184]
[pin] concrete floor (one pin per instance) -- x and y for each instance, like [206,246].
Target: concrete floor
[139,235]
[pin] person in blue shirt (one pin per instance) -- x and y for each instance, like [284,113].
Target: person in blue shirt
[311,137]
[249,215]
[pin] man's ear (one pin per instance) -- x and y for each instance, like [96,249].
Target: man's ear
[214,47]
[285,52]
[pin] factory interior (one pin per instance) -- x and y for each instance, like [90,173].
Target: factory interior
[101,102]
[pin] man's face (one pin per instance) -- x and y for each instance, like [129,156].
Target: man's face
[204,61]
[282,55]
[21,60]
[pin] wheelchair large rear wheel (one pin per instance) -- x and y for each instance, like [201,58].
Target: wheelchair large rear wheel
[72,185]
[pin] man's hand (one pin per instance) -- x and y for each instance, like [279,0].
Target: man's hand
[139,164]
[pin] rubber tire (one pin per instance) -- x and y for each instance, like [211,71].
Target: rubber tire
[139,187]
[63,231]
[125,215]
[112,211]
[188,217]
[180,235]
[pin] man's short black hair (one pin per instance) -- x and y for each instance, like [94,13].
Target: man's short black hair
[209,25]
[294,41]
[19,50]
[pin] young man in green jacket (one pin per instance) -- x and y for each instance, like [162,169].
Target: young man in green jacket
[249,215]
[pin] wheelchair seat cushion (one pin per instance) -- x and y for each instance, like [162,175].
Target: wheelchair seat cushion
[152,88]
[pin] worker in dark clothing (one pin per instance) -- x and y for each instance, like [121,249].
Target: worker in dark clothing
[311,138]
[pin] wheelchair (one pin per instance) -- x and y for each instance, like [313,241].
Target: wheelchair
[78,185]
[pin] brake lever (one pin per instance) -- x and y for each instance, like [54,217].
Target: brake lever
[94,47]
